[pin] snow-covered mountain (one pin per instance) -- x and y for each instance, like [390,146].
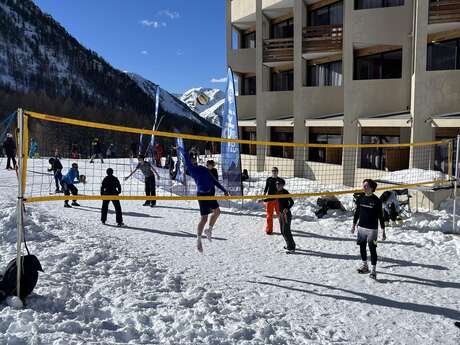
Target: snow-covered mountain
[48,70]
[206,102]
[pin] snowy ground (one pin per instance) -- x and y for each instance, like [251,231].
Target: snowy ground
[145,284]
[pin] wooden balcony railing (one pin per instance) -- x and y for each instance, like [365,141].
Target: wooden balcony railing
[445,11]
[322,38]
[278,50]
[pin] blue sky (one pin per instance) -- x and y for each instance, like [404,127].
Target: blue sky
[178,44]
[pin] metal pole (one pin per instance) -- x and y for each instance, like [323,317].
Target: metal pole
[454,214]
[20,202]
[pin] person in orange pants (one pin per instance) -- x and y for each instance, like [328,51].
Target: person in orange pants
[271,205]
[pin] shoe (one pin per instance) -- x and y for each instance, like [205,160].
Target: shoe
[363,269]
[91,161]
[373,274]
[74,203]
[199,245]
[457,324]
[147,203]
[120,225]
[269,232]
[208,233]
[103,222]
[152,205]
[67,206]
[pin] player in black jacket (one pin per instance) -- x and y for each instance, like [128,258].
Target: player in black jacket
[111,186]
[56,168]
[367,215]
[271,205]
[285,216]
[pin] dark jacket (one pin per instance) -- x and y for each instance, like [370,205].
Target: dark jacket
[270,186]
[285,203]
[10,147]
[57,166]
[369,212]
[110,186]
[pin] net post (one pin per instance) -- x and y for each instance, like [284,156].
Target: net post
[454,211]
[449,159]
[20,202]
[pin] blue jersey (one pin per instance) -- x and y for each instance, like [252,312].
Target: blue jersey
[72,177]
[202,176]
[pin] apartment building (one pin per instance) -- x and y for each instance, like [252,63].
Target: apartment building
[345,71]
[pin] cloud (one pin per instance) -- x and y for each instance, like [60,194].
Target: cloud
[219,80]
[144,52]
[152,23]
[179,52]
[170,14]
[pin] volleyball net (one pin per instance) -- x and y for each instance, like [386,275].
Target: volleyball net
[308,169]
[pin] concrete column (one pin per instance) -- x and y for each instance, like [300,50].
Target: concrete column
[299,113]
[420,95]
[350,126]
[260,112]
[229,26]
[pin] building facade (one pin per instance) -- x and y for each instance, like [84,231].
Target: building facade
[345,71]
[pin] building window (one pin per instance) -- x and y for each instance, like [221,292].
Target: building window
[387,65]
[327,15]
[325,155]
[248,40]
[441,160]
[380,158]
[282,81]
[248,85]
[249,133]
[284,29]
[326,74]
[285,135]
[443,55]
[365,4]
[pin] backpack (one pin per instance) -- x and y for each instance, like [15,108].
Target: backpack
[29,276]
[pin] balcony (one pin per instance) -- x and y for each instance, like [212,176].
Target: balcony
[278,50]
[446,11]
[322,38]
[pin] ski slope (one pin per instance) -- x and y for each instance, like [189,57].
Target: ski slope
[146,284]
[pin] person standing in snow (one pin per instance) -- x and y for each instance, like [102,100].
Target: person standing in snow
[149,178]
[56,168]
[367,216]
[271,205]
[205,185]
[285,205]
[10,150]
[110,151]
[68,184]
[111,186]
[97,150]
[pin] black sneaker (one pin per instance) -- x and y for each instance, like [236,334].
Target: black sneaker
[120,225]
[67,206]
[147,203]
[152,205]
[74,203]
[102,222]
[457,324]
[373,274]
[363,269]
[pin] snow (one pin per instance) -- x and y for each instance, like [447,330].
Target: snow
[146,284]
[414,175]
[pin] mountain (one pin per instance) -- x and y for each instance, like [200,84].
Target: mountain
[206,102]
[173,112]
[43,68]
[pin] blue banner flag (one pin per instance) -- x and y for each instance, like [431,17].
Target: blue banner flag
[230,152]
[180,165]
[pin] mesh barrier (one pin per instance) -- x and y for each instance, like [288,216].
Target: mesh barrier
[309,169]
